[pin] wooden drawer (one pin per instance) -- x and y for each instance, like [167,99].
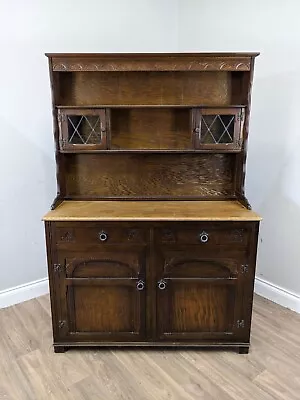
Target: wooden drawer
[207,235]
[97,233]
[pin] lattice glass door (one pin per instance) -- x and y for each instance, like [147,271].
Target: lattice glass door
[82,129]
[218,129]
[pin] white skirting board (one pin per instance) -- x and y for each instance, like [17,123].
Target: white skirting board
[277,294]
[37,288]
[21,293]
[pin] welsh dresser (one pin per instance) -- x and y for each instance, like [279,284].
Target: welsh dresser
[151,240]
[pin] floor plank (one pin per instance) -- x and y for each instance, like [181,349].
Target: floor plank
[30,370]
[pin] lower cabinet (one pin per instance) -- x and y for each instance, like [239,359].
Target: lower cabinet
[101,295]
[151,289]
[198,297]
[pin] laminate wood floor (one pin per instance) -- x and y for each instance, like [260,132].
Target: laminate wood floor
[30,370]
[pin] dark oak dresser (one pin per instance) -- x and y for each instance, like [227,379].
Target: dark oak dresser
[151,240]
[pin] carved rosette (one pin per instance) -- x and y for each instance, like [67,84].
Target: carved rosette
[168,236]
[237,235]
[132,234]
[67,236]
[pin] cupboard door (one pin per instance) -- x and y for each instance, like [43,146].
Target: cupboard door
[218,128]
[102,296]
[197,297]
[82,129]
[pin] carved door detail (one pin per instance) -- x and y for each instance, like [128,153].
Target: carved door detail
[102,296]
[197,297]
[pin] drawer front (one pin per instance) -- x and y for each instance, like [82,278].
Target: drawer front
[206,235]
[73,234]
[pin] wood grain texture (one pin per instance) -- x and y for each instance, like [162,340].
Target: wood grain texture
[151,211]
[104,308]
[148,88]
[199,309]
[155,128]
[30,369]
[149,175]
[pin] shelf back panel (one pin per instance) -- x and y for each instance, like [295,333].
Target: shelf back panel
[149,176]
[149,88]
[155,128]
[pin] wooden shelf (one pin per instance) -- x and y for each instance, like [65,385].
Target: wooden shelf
[151,211]
[91,106]
[148,151]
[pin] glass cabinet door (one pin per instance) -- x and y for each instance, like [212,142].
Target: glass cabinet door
[218,128]
[82,129]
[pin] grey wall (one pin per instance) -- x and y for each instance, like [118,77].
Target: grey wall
[273,168]
[28,29]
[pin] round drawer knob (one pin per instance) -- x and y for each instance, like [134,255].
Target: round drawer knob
[162,284]
[203,237]
[103,236]
[140,285]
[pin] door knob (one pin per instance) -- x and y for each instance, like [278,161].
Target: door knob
[140,285]
[103,236]
[162,284]
[203,237]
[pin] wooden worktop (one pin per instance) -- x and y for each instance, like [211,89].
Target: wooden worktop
[151,211]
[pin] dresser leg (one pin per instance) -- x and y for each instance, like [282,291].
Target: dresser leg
[243,350]
[60,349]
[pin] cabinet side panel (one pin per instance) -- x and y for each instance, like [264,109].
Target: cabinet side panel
[249,280]
[51,259]
[149,176]
[246,81]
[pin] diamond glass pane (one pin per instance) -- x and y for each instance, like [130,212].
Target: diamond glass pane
[217,129]
[84,129]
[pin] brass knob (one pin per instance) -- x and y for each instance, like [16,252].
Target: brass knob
[162,284]
[103,236]
[140,285]
[203,237]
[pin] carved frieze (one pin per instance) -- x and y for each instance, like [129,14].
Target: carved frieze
[169,64]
